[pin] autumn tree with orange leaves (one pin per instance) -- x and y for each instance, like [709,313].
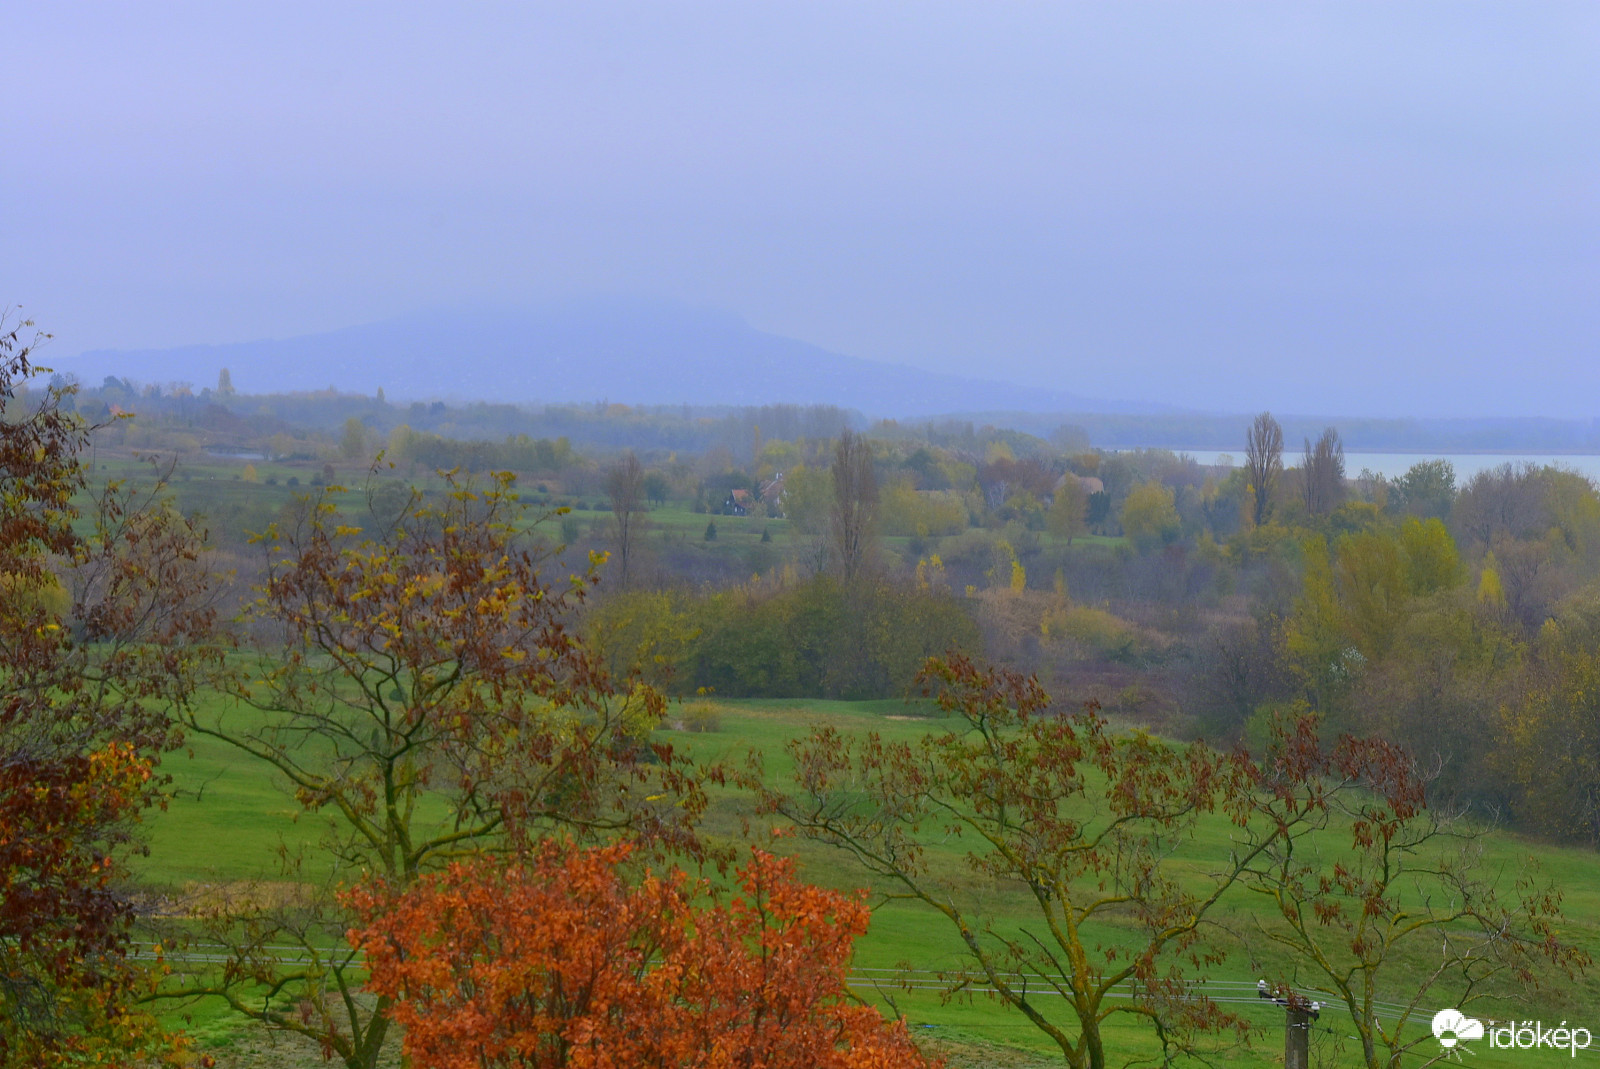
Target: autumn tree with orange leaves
[103,629]
[419,690]
[561,962]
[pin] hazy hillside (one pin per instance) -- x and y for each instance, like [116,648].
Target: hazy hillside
[623,351]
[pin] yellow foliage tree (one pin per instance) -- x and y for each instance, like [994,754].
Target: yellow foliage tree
[1315,633]
[1005,563]
[905,510]
[1373,587]
[1491,591]
[1552,743]
[1150,515]
[1432,563]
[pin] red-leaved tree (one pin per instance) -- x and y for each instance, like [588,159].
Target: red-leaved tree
[103,623]
[563,962]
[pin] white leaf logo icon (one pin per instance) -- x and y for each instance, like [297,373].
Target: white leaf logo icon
[1453,1026]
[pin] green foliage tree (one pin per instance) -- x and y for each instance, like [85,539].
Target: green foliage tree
[1437,693]
[656,488]
[807,498]
[1427,489]
[517,452]
[1573,507]
[820,638]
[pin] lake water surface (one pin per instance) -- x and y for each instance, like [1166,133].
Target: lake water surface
[1392,464]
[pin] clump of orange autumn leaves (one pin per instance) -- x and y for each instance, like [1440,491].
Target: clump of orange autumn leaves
[561,961]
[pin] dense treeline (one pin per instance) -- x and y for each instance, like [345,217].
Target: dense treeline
[449,673]
[1205,598]
[315,425]
[815,638]
[1456,635]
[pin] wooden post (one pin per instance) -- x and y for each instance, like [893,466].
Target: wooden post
[1296,1038]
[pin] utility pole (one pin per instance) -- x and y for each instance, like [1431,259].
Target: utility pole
[1297,1037]
[1298,1013]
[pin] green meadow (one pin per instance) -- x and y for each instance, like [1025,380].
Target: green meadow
[228,819]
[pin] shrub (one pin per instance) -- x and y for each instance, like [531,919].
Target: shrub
[521,964]
[701,717]
[1095,632]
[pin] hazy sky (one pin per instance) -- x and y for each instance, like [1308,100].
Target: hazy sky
[1340,208]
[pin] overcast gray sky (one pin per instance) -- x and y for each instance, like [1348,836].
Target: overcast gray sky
[1343,208]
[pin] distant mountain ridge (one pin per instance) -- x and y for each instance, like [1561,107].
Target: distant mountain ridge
[615,350]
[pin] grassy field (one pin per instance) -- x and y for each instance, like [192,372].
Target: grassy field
[229,817]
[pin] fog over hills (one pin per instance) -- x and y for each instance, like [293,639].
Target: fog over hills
[624,351]
[637,352]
